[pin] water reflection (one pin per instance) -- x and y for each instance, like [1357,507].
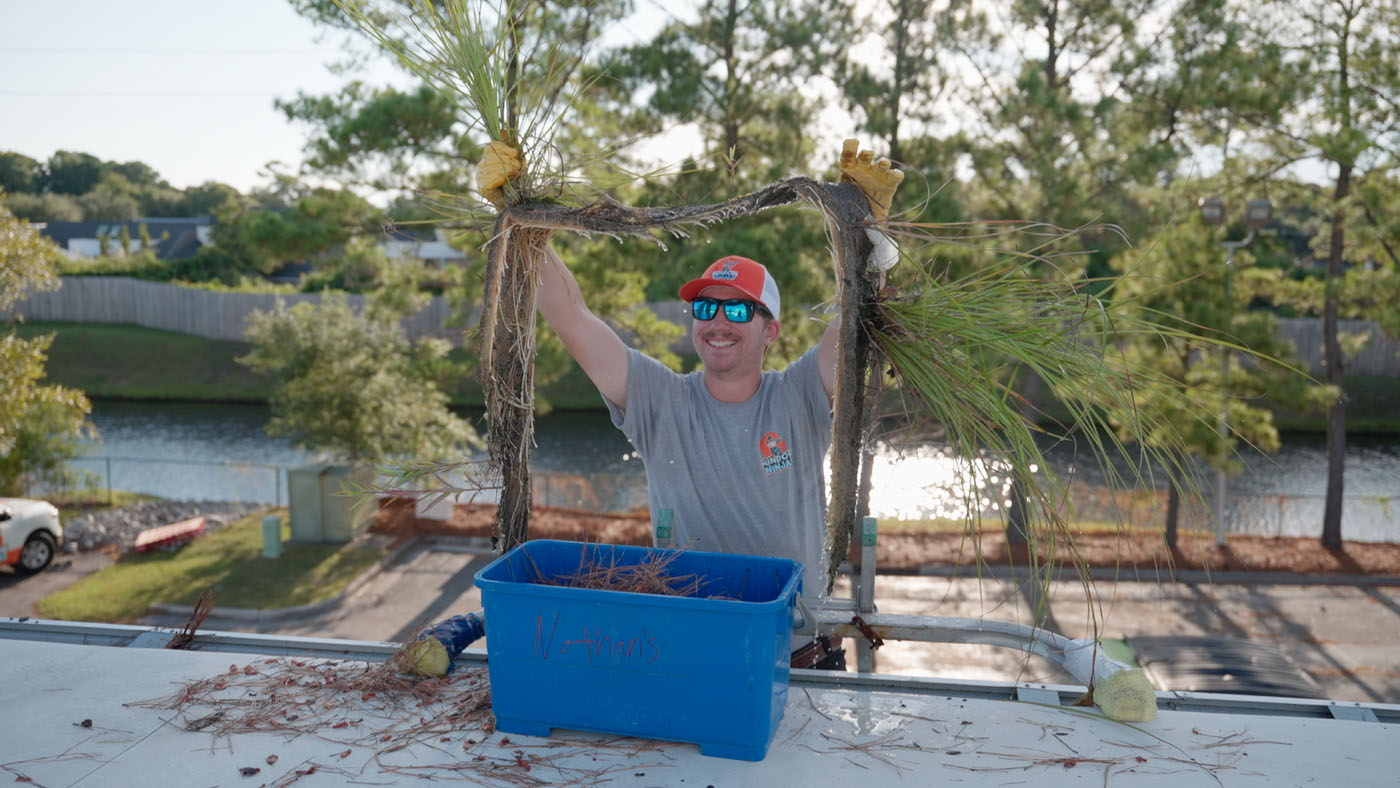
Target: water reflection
[183,450]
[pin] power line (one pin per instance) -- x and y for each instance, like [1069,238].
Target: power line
[147,51]
[143,93]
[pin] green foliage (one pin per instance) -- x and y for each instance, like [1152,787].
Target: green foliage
[74,187]
[957,346]
[1209,353]
[212,198]
[375,135]
[736,70]
[352,385]
[48,437]
[26,258]
[71,172]
[1056,137]
[222,263]
[19,174]
[47,207]
[316,223]
[38,423]
[359,267]
[112,199]
[903,94]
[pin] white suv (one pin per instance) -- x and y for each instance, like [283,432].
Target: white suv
[29,534]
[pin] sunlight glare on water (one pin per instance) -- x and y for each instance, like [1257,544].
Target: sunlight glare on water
[923,482]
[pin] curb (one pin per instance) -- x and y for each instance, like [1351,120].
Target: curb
[315,608]
[1159,576]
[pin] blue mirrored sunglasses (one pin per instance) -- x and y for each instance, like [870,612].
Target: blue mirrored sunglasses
[736,310]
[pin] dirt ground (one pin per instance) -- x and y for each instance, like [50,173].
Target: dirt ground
[906,552]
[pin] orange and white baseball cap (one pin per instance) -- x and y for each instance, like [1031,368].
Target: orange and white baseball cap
[740,273]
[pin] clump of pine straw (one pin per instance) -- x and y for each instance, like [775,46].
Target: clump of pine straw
[652,576]
[351,702]
[958,349]
[377,710]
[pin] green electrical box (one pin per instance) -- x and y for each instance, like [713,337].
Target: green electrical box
[323,504]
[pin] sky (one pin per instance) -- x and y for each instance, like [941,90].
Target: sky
[185,86]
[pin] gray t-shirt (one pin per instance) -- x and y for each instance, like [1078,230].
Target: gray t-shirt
[744,477]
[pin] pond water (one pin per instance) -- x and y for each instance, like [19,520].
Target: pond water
[221,452]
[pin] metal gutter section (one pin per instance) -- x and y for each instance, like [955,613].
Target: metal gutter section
[121,635]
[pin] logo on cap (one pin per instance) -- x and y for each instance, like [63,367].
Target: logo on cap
[726,270]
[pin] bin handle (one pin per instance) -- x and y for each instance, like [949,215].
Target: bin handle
[801,616]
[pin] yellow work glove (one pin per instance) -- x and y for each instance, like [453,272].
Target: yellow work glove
[500,163]
[876,179]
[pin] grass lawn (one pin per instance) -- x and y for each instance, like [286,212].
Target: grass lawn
[228,560]
[134,362]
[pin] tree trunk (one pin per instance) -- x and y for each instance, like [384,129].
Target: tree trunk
[731,88]
[1332,353]
[1018,528]
[1173,504]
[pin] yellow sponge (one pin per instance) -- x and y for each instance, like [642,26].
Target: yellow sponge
[1126,696]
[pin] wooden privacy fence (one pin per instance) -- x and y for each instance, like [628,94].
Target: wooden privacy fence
[222,315]
[187,310]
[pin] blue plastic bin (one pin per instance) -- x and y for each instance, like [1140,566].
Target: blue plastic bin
[712,671]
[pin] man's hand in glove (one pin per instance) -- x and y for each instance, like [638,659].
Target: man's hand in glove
[500,164]
[877,180]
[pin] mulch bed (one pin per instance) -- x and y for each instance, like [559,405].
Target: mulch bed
[906,552]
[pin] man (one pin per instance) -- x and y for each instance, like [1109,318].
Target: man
[734,453]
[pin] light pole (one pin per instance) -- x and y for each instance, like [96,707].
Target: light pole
[1256,215]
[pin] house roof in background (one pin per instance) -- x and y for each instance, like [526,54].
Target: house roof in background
[173,238]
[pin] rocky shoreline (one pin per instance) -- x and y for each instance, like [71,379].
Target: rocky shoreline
[119,527]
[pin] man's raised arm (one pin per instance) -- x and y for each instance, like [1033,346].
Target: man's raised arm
[593,344]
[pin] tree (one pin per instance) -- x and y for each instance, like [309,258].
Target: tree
[19,174]
[70,172]
[111,199]
[350,384]
[1342,84]
[1176,280]
[212,198]
[905,89]
[378,136]
[317,222]
[398,139]
[1071,112]
[46,207]
[38,423]
[736,71]
[46,440]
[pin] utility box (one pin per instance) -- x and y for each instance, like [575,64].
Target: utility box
[322,505]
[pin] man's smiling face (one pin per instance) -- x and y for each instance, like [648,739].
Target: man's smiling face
[727,347]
